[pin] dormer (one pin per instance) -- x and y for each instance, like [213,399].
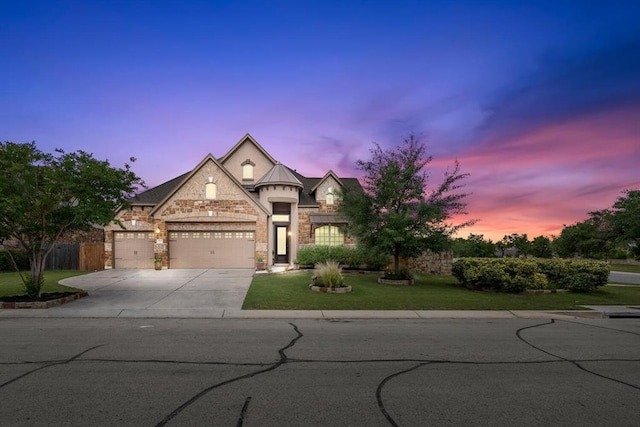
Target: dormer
[326,190]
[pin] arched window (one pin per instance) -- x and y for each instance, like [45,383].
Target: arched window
[210,191]
[329,235]
[330,198]
[247,170]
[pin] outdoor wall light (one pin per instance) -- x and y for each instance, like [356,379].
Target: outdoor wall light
[210,213]
[133,222]
[210,179]
[157,230]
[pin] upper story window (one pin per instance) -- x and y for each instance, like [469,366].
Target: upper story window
[210,191]
[247,170]
[330,199]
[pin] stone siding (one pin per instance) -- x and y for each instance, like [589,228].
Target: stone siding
[436,263]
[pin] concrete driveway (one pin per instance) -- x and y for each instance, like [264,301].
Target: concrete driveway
[151,293]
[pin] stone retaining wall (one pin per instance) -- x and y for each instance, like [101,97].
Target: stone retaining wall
[431,263]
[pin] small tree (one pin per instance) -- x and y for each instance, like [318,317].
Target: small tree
[43,195]
[395,213]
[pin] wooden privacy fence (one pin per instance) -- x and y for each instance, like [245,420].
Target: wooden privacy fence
[74,256]
[91,256]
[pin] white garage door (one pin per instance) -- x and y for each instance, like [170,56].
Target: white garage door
[132,249]
[211,249]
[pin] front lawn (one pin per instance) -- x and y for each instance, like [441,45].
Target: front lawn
[11,285]
[629,268]
[290,292]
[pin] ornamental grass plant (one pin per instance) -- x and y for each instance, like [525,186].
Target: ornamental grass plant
[328,274]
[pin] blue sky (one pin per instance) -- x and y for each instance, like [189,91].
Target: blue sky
[538,100]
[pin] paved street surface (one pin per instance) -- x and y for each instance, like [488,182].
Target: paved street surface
[624,277]
[317,372]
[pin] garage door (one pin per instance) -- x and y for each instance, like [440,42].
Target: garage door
[211,249]
[133,249]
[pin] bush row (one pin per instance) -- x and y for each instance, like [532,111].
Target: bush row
[348,256]
[516,275]
[19,255]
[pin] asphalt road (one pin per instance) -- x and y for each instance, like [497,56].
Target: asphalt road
[308,372]
[624,277]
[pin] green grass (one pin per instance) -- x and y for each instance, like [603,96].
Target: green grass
[629,268]
[11,285]
[290,292]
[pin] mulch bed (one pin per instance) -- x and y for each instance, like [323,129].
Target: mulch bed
[45,300]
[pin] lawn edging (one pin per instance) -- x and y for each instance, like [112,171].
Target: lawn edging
[42,304]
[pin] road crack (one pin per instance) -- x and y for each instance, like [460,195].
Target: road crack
[48,365]
[283,359]
[571,361]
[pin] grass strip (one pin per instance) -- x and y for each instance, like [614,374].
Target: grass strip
[11,285]
[290,292]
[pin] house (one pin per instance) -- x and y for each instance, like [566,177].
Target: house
[229,213]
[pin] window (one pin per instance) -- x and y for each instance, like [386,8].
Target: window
[210,191]
[247,170]
[184,235]
[330,198]
[206,235]
[329,235]
[196,235]
[173,235]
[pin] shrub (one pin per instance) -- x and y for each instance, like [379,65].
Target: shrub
[328,274]
[516,275]
[345,255]
[403,274]
[33,287]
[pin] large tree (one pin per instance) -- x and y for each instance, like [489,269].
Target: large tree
[397,213]
[43,195]
[591,238]
[625,220]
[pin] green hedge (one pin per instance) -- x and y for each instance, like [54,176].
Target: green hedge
[348,256]
[516,275]
[19,255]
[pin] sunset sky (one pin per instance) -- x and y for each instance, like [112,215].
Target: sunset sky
[538,100]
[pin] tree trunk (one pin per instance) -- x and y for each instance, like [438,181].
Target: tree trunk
[33,284]
[396,259]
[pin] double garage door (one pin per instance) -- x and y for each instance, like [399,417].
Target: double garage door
[187,249]
[211,249]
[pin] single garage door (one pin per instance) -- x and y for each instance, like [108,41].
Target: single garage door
[211,249]
[132,249]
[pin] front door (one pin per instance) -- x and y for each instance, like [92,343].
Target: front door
[282,244]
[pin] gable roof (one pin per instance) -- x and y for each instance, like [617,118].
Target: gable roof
[327,175]
[245,138]
[154,196]
[188,176]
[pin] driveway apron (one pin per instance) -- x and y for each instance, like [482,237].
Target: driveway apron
[153,293]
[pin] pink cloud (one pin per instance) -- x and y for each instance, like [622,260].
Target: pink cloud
[551,176]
